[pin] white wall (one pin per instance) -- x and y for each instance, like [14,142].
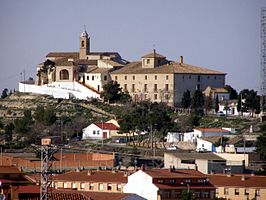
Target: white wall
[141,184]
[174,137]
[88,132]
[190,136]
[234,159]
[63,90]
[204,145]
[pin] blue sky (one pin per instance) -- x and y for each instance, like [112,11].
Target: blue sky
[222,35]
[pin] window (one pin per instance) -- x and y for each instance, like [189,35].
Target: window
[146,77]
[133,88]
[208,77]
[91,186]
[109,186]
[94,132]
[226,191]
[198,87]
[216,191]
[125,77]
[236,191]
[155,96]
[82,185]
[160,181]
[155,88]
[257,192]
[118,187]
[145,88]
[92,78]
[188,181]
[166,96]
[165,194]
[133,77]
[199,78]
[88,77]
[206,195]
[98,88]
[125,87]
[166,77]
[82,43]
[183,77]
[189,77]
[116,78]
[159,61]
[66,184]
[197,194]
[145,96]
[172,181]
[148,61]
[215,77]
[100,186]
[64,75]
[98,132]
[166,87]
[155,77]
[74,186]
[105,78]
[246,192]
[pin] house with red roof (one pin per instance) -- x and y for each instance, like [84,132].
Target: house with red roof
[160,184]
[91,180]
[99,130]
[238,187]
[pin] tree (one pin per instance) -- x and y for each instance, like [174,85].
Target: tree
[261,145]
[9,131]
[111,91]
[186,99]
[197,102]
[216,107]
[248,101]
[232,92]
[208,103]
[4,93]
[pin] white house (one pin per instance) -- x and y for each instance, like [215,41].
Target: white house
[157,184]
[99,130]
[206,144]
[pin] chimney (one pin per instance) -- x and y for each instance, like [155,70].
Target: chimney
[170,169]
[125,174]
[252,174]
[89,172]
[142,168]
[243,178]
[154,52]
[228,174]
[181,59]
[77,170]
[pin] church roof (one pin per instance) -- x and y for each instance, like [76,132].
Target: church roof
[169,68]
[74,55]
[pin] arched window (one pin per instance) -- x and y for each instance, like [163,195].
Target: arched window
[82,44]
[64,75]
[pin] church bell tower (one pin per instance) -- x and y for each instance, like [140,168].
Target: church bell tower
[84,48]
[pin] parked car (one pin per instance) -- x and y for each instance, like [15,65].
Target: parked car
[220,113]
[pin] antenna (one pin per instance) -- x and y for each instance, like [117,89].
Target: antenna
[84,27]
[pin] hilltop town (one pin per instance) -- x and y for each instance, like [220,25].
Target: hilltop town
[92,125]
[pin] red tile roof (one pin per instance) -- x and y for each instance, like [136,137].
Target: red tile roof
[236,181]
[177,173]
[10,170]
[96,176]
[27,189]
[106,126]
[219,130]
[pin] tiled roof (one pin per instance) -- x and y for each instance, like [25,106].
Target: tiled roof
[193,156]
[153,55]
[29,189]
[113,63]
[177,173]
[106,126]
[219,90]
[86,62]
[211,130]
[234,140]
[64,62]
[10,170]
[236,180]
[99,70]
[63,54]
[170,68]
[96,176]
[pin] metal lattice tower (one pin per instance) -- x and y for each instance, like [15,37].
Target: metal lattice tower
[263,57]
[47,150]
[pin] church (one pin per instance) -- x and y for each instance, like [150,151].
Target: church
[83,74]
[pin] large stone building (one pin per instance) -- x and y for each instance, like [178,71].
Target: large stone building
[157,79]
[82,75]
